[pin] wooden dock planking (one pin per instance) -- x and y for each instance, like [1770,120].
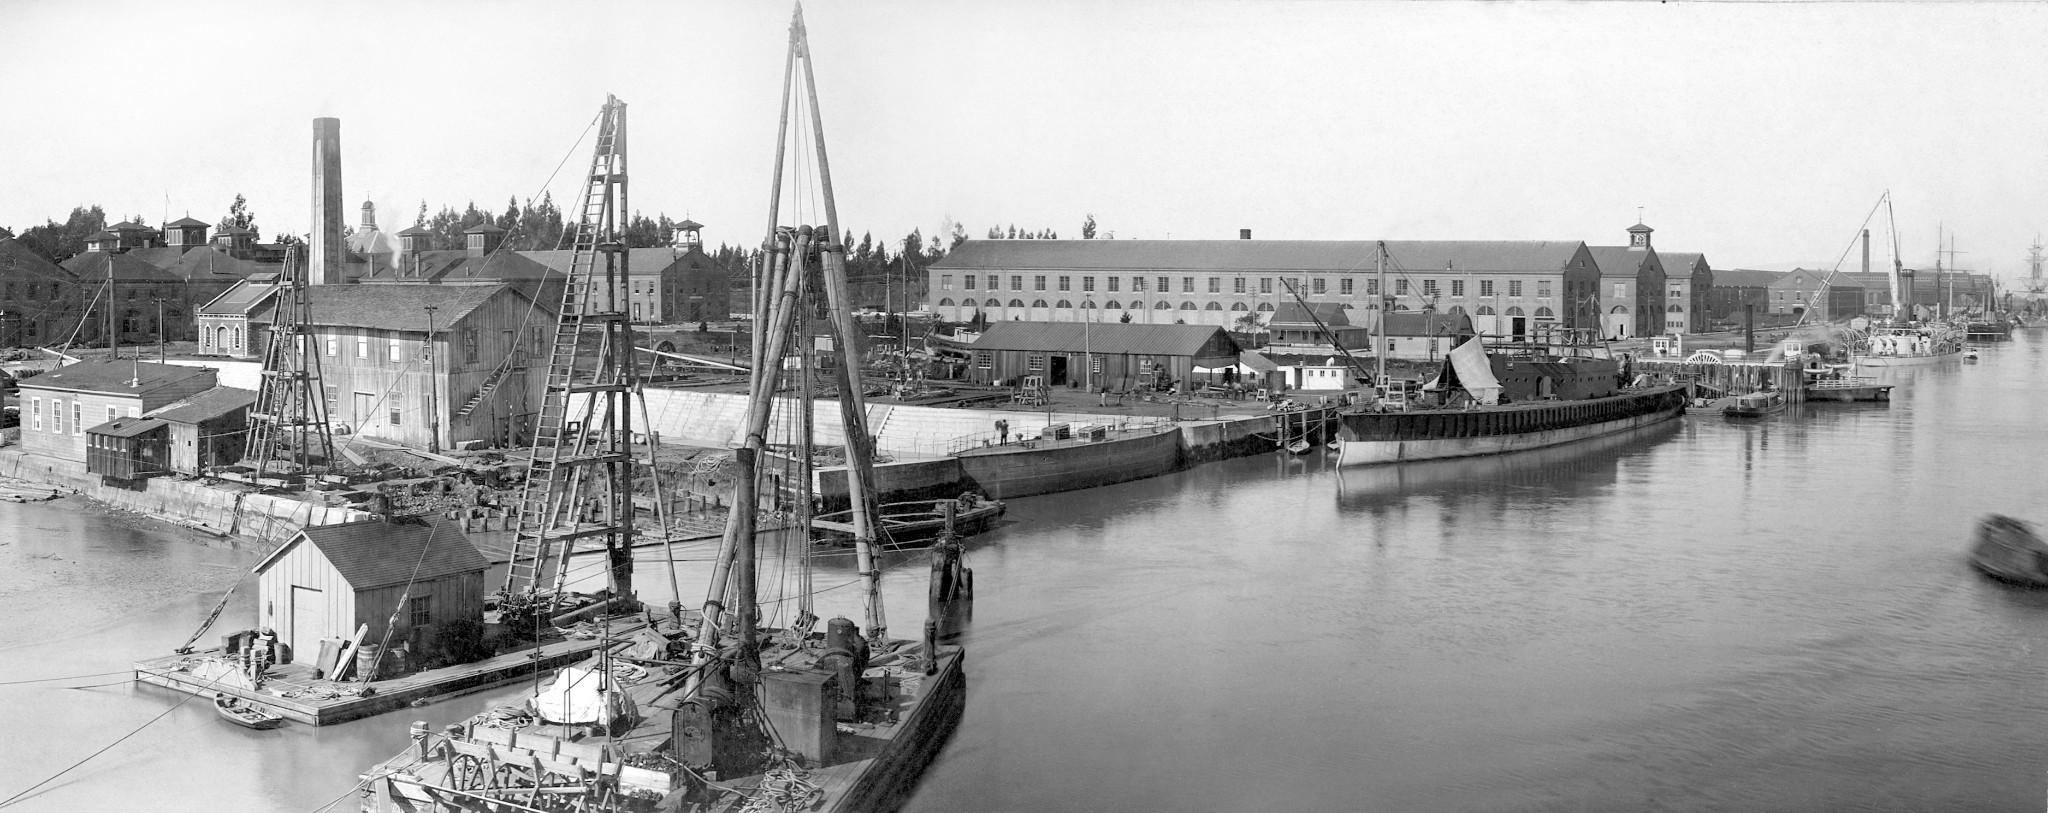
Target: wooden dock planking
[390,694]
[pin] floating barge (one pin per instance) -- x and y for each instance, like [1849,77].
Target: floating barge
[1852,389]
[291,691]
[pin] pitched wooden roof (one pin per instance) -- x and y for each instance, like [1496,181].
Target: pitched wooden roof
[112,377]
[205,406]
[1108,339]
[374,553]
[393,306]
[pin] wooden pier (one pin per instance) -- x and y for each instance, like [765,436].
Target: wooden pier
[291,690]
[1732,377]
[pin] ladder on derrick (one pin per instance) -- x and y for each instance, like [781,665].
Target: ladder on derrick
[288,432]
[572,456]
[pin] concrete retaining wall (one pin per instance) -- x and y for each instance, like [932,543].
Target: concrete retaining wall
[266,519]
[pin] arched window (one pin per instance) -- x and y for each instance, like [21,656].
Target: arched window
[1088,304]
[1213,306]
[1114,305]
[1514,312]
[1064,304]
[1136,305]
[1544,313]
[1619,309]
[1675,309]
[1265,306]
[1038,303]
[993,303]
[1162,305]
[1238,306]
[946,303]
[1187,306]
[1457,310]
[1486,310]
[1016,303]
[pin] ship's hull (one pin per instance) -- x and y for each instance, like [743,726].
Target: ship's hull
[1369,439]
[1908,359]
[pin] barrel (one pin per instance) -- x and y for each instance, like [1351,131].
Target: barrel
[366,661]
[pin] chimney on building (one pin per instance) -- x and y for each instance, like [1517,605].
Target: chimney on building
[1244,234]
[326,248]
[1866,251]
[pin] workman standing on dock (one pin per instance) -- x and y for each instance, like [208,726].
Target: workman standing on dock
[1002,431]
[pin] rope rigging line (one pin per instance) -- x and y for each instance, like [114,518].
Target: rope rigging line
[109,746]
[70,677]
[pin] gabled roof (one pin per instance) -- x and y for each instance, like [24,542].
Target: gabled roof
[187,221]
[1292,313]
[205,406]
[92,267]
[128,225]
[1743,278]
[457,265]
[417,229]
[1799,276]
[17,261]
[483,228]
[101,235]
[1620,261]
[1682,263]
[1109,339]
[689,225]
[211,262]
[242,297]
[394,306]
[1260,255]
[112,377]
[127,427]
[639,261]
[373,553]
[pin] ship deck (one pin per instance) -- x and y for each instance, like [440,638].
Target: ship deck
[291,691]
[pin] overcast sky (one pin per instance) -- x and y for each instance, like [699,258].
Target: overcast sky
[1759,133]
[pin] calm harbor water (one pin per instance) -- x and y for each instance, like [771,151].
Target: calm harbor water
[1704,616]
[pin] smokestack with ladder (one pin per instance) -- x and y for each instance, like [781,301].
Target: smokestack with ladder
[325,249]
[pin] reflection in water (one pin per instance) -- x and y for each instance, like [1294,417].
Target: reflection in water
[1704,616]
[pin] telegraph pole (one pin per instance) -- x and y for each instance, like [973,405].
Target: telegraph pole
[433,406]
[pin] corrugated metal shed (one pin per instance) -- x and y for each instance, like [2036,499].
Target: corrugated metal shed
[1106,339]
[1260,255]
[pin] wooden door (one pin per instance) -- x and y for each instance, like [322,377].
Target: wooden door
[309,619]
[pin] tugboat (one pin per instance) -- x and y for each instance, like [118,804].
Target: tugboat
[2007,549]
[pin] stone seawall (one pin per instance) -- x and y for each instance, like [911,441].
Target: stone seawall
[263,519]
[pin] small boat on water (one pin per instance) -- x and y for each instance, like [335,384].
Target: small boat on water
[1970,356]
[2008,549]
[246,715]
[1755,405]
[911,522]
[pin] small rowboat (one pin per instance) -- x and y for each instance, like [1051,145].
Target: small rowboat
[1755,405]
[2007,549]
[235,710]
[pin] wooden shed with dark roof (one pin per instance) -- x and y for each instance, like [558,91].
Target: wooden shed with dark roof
[1119,356]
[329,580]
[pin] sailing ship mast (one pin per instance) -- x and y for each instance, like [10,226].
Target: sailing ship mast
[1379,349]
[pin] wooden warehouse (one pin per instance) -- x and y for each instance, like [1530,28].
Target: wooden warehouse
[208,429]
[1118,356]
[330,579]
[128,448]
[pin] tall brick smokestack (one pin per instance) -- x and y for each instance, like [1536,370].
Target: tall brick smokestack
[325,249]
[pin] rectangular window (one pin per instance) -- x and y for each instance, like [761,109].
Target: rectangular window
[1486,287]
[1265,285]
[1087,284]
[396,352]
[945,282]
[1543,288]
[77,418]
[1344,286]
[362,347]
[1317,285]
[36,410]
[1621,290]
[421,609]
[1165,284]
[1187,285]
[1514,287]
[333,346]
[469,346]
[970,281]
[112,413]
[1114,282]
[1372,287]
[1066,283]
[1038,282]
[1401,287]
[1016,282]
[394,409]
[1457,287]
[1429,287]
[1137,283]
[984,359]
[1215,285]
[1034,364]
